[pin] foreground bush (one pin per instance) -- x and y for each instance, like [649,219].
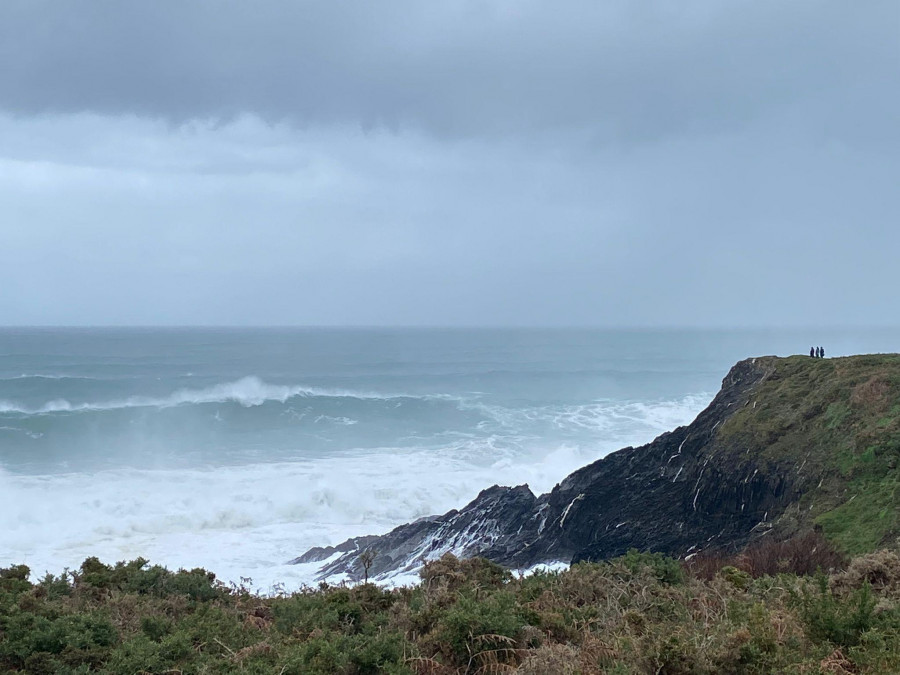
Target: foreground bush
[641,613]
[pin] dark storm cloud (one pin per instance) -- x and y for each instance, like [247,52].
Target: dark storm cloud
[616,70]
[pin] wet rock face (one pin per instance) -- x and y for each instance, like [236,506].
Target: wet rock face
[491,520]
[679,494]
[686,491]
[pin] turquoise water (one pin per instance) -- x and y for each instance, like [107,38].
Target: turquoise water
[238,448]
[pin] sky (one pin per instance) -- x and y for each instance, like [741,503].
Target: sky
[465,162]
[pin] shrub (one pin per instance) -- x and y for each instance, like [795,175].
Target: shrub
[334,609]
[14,573]
[737,578]
[138,655]
[155,627]
[472,627]
[453,573]
[136,577]
[558,659]
[319,655]
[841,621]
[13,581]
[667,570]
[326,653]
[673,652]
[881,570]
[802,555]
[53,588]
[85,637]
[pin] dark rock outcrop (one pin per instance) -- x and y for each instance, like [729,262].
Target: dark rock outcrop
[690,489]
[492,519]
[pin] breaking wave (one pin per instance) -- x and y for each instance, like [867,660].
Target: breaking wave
[45,376]
[248,392]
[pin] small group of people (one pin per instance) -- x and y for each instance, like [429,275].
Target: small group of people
[817,352]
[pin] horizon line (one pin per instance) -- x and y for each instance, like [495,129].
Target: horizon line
[465,326]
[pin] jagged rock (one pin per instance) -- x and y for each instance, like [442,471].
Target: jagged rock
[320,553]
[491,519]
[691,489]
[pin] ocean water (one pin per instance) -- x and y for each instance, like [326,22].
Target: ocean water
[238,449]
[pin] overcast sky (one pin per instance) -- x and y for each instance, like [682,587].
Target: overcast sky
[612,163]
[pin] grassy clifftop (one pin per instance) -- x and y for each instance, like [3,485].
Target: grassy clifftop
[835,425]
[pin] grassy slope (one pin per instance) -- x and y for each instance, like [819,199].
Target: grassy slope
[835,425]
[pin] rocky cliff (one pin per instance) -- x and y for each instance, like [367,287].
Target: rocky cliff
[764,458]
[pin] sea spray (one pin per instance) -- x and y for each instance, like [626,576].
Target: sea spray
[248,520]
[237,450]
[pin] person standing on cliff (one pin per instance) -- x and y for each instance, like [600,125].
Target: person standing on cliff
[812,352]
[821,352]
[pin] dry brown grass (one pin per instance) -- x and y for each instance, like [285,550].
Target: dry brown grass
[838,664]
[802,555]
[871,394]
[881,570]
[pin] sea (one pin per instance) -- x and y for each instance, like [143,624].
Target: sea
[237,449]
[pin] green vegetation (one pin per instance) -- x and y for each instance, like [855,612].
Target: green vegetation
[641,613]
[868,518]
[834,424]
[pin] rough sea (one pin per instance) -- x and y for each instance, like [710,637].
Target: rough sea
[238,449]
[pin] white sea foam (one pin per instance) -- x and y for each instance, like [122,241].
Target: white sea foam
[545,568]
[238,521]
[609,418]
[247,521]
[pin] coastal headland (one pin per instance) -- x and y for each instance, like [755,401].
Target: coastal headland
[760,538]
[787,446]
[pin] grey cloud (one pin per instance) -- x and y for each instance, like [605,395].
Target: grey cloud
[615,70]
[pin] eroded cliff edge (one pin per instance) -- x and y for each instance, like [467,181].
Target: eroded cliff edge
[764,458]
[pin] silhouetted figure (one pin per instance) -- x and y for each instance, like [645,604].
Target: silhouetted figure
[812,352]
[821,352]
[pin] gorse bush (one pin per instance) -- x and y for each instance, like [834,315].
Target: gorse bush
[666,570]
[640,613]
[137,577]
[881,570]
[841,621]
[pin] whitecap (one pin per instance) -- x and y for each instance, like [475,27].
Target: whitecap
[248,391]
